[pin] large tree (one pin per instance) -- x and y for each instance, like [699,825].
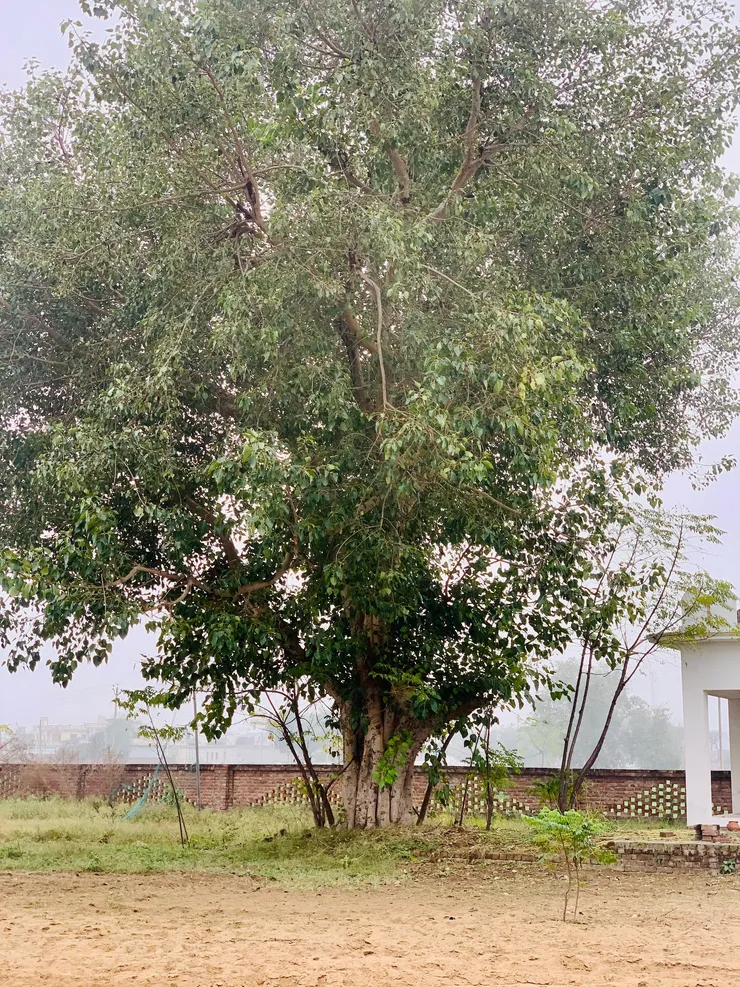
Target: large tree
[332,335]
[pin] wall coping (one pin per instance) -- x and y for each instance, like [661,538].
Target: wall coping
[648,774]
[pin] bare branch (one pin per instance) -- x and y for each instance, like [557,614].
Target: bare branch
[363,23]
[330,44]
[498,503]
[454,569]
[168,140]
[354,326]
[469,138]
[353,180]
[265,583]
[173,577]
[171,604]
[351,344]
[59,133]
[675,558]
[36,321]
[473,161]
[572,735]
[90,303]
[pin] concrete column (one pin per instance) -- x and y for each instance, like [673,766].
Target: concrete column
[698,757]
[733,706]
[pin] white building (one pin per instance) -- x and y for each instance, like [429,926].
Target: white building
[710,667]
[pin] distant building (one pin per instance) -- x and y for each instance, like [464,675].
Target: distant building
[49,737]
[252,742]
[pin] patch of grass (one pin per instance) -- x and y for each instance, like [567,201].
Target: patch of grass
[270,842]
[267,842]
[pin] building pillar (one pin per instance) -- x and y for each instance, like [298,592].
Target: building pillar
[733,705]
[697,756]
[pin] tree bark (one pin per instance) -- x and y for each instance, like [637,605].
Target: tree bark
[368,803]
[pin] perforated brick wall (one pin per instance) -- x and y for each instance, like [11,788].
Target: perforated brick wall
[617,793]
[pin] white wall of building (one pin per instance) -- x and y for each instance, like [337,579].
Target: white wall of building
[709,668]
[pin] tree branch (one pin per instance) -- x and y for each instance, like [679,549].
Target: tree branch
[498,503]
[244,167]
[330,44]
[446,277]
[174,577]
[354,327]
[265,583]
[36,321]
[471,163]
[363,23]
[379,339]
[349,338]
[207,515]
[400,168]
[469,138]
[59,132]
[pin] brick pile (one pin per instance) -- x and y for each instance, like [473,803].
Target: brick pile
[712,834]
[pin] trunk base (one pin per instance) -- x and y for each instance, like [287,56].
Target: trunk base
[368,806]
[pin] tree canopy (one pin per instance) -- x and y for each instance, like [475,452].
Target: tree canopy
[333,336]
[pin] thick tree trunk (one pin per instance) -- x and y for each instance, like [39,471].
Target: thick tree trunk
[368,803]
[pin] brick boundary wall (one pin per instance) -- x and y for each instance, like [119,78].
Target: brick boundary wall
[224,786]
[652,857]
[636,857]
[641,857]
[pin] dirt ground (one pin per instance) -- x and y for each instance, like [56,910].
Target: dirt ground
[500,927]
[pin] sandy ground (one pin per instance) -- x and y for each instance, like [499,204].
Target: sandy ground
[498,927]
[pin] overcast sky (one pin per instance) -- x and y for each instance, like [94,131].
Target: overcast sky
[30,29]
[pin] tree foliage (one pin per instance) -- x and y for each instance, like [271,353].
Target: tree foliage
[332,337]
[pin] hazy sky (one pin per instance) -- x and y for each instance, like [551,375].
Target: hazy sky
[30,29]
